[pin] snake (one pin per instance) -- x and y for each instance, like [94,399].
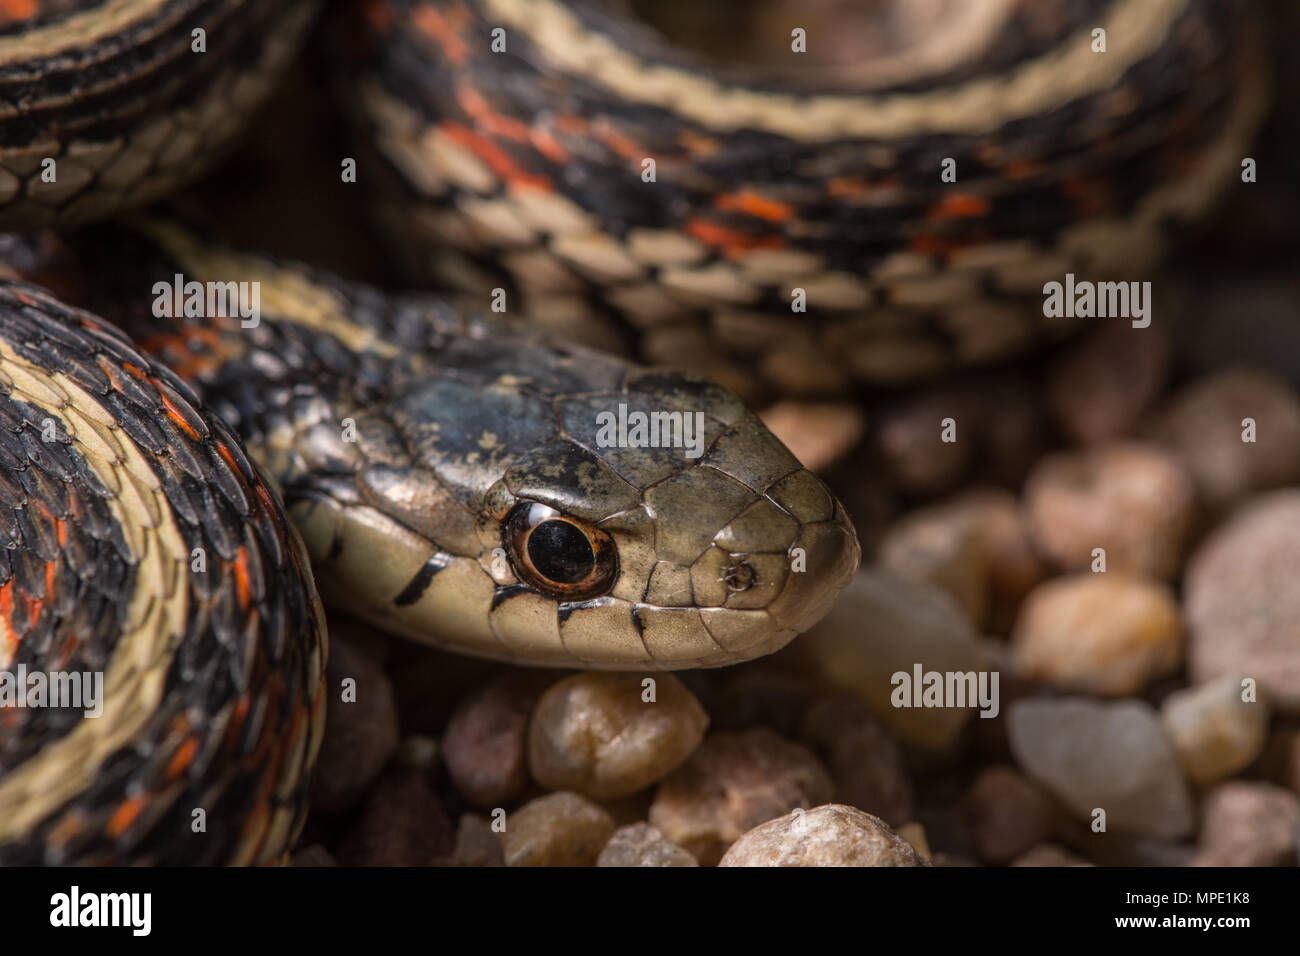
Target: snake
[187,485]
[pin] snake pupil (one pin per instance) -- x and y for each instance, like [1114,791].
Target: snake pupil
[561,552]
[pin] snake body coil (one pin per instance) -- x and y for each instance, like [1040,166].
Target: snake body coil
[808,227]
[449,473]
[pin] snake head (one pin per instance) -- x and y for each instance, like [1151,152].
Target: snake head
[544,504]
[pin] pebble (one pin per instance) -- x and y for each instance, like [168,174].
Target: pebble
[1106,634]
[594,733]
[476,843]
[914,834]
[832,835]
[1214,732]
[1008,816]
[1049,854]
[559,829]
[402,823]
[1204,424]
[1108,755]
[1246,823]
[882,624]
[485,744]
[1012,563]
[861,755]
[361,733]
[731,784]
[817,433]
[1101,385]
[944,547]
[1241,601]
[1134,500]
[640,844]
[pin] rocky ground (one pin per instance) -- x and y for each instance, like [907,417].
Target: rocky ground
[1103,534]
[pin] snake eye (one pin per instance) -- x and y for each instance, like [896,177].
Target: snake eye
[559,555]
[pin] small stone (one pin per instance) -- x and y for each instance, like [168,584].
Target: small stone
[1249,824]
[476,843]
[595,733]
[940,546]
[559,829]
[1107,634]
[485,743]
[1214,732]
[817,433]
[361,731]
[401,824]
[1110,756]
[861,756]
[1008,815]
[1049,854]
[1101,386]
[831,835]
[1280,761]
[882,625]
[1241,602]
[732,783]
[1011,561]
[1204,423]
[1133,500]
[914,834]
[640,844]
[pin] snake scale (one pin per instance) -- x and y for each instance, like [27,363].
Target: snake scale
[176,484]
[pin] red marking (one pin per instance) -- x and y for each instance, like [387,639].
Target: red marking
[616,141]
[959,206]
[7,610]
[731,242]
[545,143]
[126,814]
[752,204]
[495,156]
[437,28]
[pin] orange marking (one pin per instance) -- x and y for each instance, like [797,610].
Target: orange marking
[242,578]
[126,814]
[18,9]
[545,143]
[488,119]
[182,758]
[753,204]
[174,414]
[731,242]
[7,610]
[939,245]
[494,156]
[435,26]
[1022,168]
[616,141]
[959,206]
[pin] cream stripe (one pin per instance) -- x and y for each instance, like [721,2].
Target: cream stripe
[156,615]
[1134,30]
[77,31]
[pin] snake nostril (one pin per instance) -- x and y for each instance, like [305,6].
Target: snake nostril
[739,575]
